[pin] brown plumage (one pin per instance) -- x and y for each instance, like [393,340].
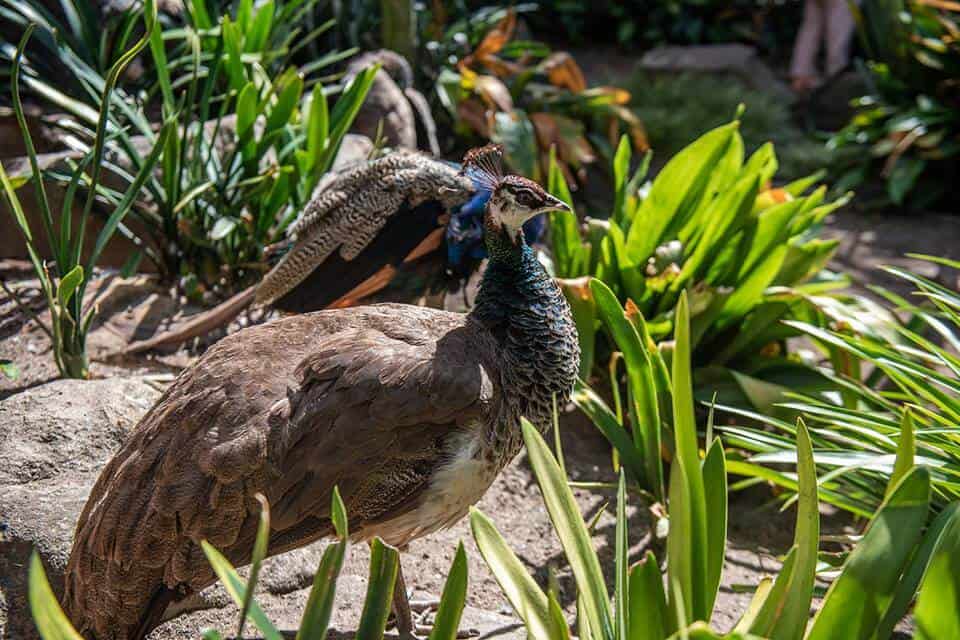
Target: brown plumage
[411,412]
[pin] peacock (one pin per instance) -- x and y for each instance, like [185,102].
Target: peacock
[410,411]
[395,229]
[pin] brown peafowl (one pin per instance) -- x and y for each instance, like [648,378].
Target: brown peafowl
[399,228]
[412,412]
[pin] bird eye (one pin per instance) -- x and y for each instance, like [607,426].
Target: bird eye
[527,198]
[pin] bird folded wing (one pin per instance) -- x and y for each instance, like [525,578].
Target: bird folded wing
[354,208]
[372,416]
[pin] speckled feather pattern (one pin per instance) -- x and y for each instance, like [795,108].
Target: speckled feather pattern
[347,214]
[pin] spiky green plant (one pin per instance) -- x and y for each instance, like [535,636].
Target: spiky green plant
[252,142]
[710,223]
[900,390]
[896,555]
[64,280]
[53,624]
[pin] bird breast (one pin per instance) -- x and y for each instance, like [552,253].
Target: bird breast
[455,486]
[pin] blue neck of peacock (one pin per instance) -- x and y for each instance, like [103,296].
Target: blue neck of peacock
[525,311]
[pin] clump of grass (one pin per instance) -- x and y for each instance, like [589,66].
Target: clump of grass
[675,109]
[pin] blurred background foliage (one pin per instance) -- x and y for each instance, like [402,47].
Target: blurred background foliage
[906,130]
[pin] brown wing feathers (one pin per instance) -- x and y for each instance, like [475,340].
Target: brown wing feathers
[354,398]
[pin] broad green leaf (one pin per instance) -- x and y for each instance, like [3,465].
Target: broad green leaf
[804,261]
[797,187]
[256,38]
[642,382]
[621,169]
[516,133]
[763,163]
[856,600]
[248,109]
[715,492]
[689,496]
[621,595]
[916,569]
[756,603]
[906,452]
[198,13]
[675,192]
[648,602]
[338,515]
[571,530]
[259,553]
[723,174]
[526,598]
[344,112]
[282,110]
[236,588]
[565,238]
[770,232]
[232,41]
[750,289]
[702,631]
[316,615]
[51,621]
[723,217]
[68,286]
[559,630]
[681,555]
[937,614]
[384,565]
[318,126]
[784,614]
[447,622]
[584,310]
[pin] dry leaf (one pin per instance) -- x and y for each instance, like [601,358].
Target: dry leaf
[493,92]
[564,72]
[497,37]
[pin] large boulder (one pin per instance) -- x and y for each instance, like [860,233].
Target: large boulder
[54,439]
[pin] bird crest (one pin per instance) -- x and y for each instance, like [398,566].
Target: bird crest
[484,166]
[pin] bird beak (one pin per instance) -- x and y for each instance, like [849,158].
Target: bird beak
[555,204]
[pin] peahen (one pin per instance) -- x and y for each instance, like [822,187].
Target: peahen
[400,228]
[412,412]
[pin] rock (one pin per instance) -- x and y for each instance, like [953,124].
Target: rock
[385,101]
[353,149]
[54,439]
[738,59]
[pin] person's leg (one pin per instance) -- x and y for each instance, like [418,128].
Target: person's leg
[803,72]
[840,27]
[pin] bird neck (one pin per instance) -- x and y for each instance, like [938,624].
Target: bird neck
[526,313]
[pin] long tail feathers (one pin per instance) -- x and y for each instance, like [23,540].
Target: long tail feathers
[198,325]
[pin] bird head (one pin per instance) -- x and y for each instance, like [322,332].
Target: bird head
[511,200]
[516,200]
